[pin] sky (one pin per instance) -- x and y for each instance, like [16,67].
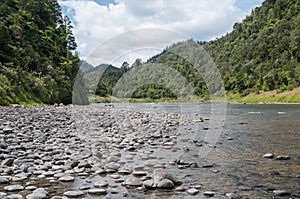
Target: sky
[104,22]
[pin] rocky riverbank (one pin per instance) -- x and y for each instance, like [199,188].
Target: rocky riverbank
[106,152]
[63,151]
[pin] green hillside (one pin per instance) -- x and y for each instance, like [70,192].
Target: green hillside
[36,60]
[263,52]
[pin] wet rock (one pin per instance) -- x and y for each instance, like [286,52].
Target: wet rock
[66,178]
[233,196]
[133,181]
[139,173]
[97,191]
[284,157]
[273,173]
[31,188]
[181,189]
[148,184]
[73,194]
[124,171]
[207,166]
[192,191]
[166,184]
[209,193]
[160,174]
[281,193]
[268,155]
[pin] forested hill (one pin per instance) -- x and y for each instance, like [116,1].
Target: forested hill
[263,52]
[36,59]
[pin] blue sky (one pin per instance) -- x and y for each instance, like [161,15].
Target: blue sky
[96,21]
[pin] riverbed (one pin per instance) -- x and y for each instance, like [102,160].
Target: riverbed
[216,150]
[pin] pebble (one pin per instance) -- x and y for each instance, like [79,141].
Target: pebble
[39,193]
[133,181]
[165,183]
[233,196]
[285,157]
[148,184]
[209,193]
[268,155]
[101,183]
[66,178]
[139,173]
[16,187]
[97,191]
[4,179]
[15,196]
[73,193]
[192,191]
[281,193]
[160,174]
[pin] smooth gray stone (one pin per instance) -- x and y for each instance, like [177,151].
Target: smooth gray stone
[97,191]
[133,181]
[268,155]
[148,184]
[209,193]
[16,187]
[73,193]
[160,174]
[192,191]
[165,183]
[66,178]
[15,196]
[101,183]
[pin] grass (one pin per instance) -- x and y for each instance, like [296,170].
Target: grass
[292,96]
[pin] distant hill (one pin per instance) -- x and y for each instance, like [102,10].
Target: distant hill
[262,53]
[101,79]
[85,66]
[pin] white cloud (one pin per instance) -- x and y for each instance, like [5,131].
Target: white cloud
[198,19]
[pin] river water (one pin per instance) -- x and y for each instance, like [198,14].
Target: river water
[247,132]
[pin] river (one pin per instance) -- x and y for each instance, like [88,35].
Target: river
[248,131]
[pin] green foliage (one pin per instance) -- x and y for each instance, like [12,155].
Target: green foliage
[154,91]
[109,79]
[262,52]
[36,59]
